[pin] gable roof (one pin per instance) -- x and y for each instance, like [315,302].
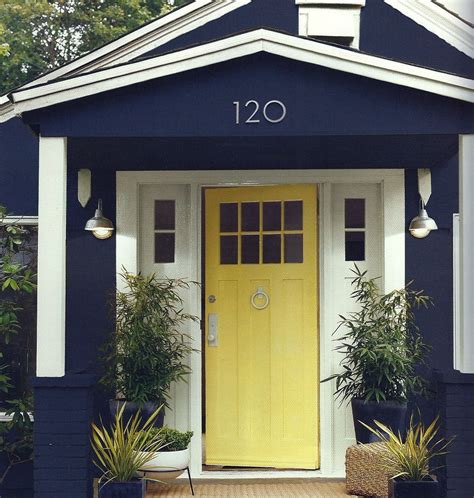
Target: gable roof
[199,12]
[442,22]
[241,45]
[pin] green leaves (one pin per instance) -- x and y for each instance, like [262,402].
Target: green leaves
[149,349]
[174,440]
[409,458]
[124,448]
[381,343]
[39,35]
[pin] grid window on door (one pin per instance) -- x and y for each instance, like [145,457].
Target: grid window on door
[355,229]
[268,232]
[165,231]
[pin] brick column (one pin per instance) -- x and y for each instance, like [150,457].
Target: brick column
[63,416]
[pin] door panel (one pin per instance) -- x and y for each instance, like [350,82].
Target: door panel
[262,374]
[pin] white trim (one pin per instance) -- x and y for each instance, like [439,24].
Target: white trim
[439,21]
[457,337]
[134,44]
[242,45]
[360,3]
[128,183]
[466,189]
[20,220]
[51,337]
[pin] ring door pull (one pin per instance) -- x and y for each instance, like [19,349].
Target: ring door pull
[260,294]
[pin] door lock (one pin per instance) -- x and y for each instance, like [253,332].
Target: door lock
[212,298]
[212,330]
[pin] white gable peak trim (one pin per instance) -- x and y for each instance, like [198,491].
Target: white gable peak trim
[242,45]
[439,21]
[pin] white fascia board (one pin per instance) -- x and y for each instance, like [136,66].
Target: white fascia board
[146,38]
[243,45]
[439,21]
[360,3]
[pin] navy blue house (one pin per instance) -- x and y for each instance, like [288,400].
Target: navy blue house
[369,101]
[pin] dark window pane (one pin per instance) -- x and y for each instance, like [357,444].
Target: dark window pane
[355,246]
[272,248]
[355,213]
[271,216]
[229,217]
[294,215]
[250,249]
[229,250]
[294,248]
[164,215]
[164,247]
[250,217]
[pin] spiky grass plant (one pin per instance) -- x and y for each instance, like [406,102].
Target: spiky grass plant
[409,459]
[124,448]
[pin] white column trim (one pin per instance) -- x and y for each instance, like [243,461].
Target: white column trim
[51,321]
[466,190]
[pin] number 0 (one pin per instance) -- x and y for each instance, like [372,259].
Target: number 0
[282,108]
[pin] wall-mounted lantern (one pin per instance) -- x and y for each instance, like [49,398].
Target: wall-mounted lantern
[100,226]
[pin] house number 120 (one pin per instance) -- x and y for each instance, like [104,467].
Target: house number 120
[274,111]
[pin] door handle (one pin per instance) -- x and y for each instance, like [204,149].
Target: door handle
[212,330]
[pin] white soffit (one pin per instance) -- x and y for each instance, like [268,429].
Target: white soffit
[439,21]
[242,45]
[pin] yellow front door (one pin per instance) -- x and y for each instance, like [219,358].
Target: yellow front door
[262,327]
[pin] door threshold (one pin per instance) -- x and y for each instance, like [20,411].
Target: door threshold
[265,475]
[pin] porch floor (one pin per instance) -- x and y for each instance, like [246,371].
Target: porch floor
[256,489]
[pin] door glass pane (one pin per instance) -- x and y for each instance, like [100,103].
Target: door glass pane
[355,246]
[271,216]
[294,215]
[229,217]
[354,213]
[164,215]
[250,217]
[250,249]
[229,250]
[294,248]
[164,247]
[272,248]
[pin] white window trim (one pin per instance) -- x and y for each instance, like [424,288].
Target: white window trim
[439,21]
[127,240]
[457,349]
[27,221]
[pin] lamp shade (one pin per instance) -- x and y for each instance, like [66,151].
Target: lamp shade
[421,226]
[99,225]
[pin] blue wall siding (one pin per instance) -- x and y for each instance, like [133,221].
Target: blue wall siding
[281,15]
[90,270]
[429,262]
[387,32]
[18,168]
[200,103]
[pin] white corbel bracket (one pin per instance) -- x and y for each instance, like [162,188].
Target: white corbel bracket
[424,184]
[84,180]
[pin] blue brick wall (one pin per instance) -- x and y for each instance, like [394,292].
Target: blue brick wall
[456,401]
[63,416]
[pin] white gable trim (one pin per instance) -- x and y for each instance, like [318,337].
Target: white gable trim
[242,45]
[136,43]
[439,21]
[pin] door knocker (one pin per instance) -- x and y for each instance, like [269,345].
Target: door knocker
[260,294]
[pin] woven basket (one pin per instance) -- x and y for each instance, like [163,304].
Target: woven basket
[365,475]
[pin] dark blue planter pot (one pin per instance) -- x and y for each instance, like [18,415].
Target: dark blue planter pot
[135,489]
[413,489]
[390,413]
[131,410]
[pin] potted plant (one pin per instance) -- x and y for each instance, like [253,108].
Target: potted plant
[382,347]
[121,450]
[409,459]
[148,351]
[173,457]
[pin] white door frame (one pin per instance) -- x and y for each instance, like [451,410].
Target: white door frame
[392,186]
